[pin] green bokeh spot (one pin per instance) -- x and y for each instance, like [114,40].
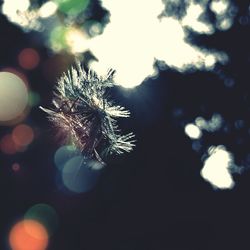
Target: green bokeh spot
[72,7]
[44,214]
[34,99]
[57,38]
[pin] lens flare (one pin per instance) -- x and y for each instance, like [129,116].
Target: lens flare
[22,135]
[78,176]
[193,131]
[76,40]
[44,214]
[7,145]
[34,99]
[64,154]
[57,38]
[13,97]
[93,28]
[28,235]
[72,7]
[48,9]
[15,167]
[28,58]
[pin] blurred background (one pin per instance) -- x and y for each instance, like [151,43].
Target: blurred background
[182,69]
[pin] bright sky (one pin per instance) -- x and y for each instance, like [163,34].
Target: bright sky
[136,36]
[216,169]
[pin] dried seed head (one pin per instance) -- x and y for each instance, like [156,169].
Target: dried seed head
[86,117]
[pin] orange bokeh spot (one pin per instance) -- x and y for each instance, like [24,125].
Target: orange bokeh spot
[22,135]
[28,58]
[28,235]
[7,145]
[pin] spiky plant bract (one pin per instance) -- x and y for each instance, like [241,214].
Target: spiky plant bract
[86,117]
